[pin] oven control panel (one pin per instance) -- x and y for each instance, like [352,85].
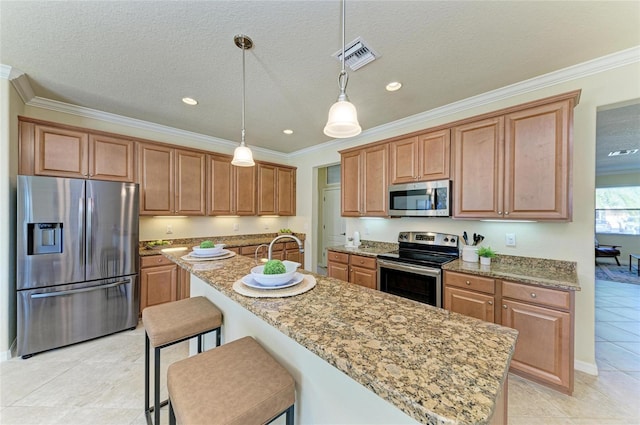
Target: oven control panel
[429,238]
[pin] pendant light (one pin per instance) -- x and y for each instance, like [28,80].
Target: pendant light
[242,156]
[343,117]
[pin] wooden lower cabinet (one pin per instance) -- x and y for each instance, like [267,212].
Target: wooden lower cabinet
[544,318]
[162,281]
[353,268]
[281,251]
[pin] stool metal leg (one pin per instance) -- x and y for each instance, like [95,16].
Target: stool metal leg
[146,373]
[218,337]
[172,414]
[289,417]
[200,343]
[156,391]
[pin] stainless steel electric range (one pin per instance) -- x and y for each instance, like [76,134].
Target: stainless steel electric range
[415,271]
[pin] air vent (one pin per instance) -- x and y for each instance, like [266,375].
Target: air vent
[623,152]
[356,54]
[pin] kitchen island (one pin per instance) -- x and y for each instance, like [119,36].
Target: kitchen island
[362,356]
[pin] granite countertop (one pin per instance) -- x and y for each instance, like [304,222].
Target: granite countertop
[367,248]
[554,274]
[436,366]
[229,241]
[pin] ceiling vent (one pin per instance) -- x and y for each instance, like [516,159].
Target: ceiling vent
[623,152]
[356,54]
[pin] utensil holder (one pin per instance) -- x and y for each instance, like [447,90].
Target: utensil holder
[470,254]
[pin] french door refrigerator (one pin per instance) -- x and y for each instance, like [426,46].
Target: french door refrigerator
[77,261]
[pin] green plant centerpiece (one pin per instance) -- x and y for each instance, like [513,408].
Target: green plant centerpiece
[274,267]
[285,232]
[486,251]
[207,244]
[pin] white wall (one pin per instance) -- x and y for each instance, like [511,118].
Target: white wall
[563,241]
[10,106]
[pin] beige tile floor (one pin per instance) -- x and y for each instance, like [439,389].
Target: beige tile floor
[101,381]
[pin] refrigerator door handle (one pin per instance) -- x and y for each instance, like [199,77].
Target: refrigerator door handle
[89,231]
[81,230]
[76,291]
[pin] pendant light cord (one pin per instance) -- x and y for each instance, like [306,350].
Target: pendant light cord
[343,78]
[243,91]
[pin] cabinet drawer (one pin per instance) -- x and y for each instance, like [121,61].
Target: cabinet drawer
[250,250]
[537,295]
[364,262]
[154,260]
[338,257]
[467,281]
[291,245]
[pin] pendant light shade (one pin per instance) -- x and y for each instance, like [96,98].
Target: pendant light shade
[343,117]
[242,156]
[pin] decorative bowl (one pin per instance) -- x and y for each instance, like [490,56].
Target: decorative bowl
[217,248]
[275,279]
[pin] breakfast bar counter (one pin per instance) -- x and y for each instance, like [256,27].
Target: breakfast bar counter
[363,356]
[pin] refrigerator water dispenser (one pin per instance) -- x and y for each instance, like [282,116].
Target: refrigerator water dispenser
[45,238]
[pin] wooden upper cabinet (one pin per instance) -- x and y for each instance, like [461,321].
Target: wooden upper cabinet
[111,158]
[221,187]
[267,190]
[245,192]
[286,191]
[479,169]
[420,158]
[190,181]
[538,163]
[156,178]
[60,152]
[49,150]
[518,165]
[365,182]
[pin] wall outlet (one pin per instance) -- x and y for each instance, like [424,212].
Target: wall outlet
[169,229]
[236,227]
[510,239]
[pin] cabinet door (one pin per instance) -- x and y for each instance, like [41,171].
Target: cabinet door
[364,277]
[479,169]
[286,191]
[60,152]
[220,184]
[537,162]
[403,161]
[158,285]
[351,187]
[292,254]
[267,193]
[469,303]
[434,155]
[338,270]
[111,158]
[544,348]
[375,181]
[245,184]
[156,178]
[190,182]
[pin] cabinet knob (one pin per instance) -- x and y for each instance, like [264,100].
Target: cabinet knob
[159,260]
[533,295]
[506,213]
[490,302]
[504,306]
[468,283]
[499,212]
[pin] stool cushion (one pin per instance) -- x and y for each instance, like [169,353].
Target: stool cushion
[237,383]
[169,322]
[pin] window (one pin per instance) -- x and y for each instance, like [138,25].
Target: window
[618,210]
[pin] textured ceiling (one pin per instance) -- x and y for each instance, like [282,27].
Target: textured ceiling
[138,59]
[617,129]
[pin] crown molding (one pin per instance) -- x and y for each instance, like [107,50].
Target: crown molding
[604,63]
[84,112]
[19,80]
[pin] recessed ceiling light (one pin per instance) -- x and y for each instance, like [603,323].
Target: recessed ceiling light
[393,86]
[287,131]
[189,101]
[624,152]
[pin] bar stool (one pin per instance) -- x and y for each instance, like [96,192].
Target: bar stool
[236,384]
[171,323]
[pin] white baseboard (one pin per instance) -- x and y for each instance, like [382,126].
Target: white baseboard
[7,355]
[590,368]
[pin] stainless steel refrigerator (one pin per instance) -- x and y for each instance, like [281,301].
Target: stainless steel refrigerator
[77,261]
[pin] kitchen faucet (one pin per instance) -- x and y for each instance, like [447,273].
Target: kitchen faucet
[300,245]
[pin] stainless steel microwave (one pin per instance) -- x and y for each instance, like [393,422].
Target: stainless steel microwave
[422,199]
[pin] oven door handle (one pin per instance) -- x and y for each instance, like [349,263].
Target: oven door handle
[425,271]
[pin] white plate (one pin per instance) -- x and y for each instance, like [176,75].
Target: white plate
[248,280]
[217,254]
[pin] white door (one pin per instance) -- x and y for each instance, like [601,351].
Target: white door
[334,226]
